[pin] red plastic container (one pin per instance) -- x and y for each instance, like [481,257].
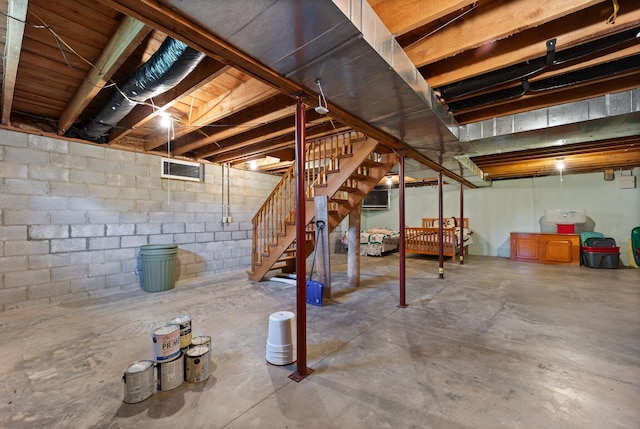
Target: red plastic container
[600,257]
[566,228]
[600,249]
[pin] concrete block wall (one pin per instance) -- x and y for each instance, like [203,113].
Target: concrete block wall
[73,217]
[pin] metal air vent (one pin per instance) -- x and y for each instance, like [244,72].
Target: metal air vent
[182,170]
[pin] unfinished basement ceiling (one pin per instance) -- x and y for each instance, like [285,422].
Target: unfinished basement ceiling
[461,86]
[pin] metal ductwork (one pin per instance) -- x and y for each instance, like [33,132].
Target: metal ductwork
[345,45]
[364,71]
[167,67]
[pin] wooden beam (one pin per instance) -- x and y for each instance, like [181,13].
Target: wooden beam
[17,14]
[580,27]
[245,94]
[243,121]
[401,17]
[266,132]
[284,142]
[124,41]
[489,22]
[205,72]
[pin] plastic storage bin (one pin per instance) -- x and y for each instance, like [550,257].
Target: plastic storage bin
[585,235]
[600,242]
[600,257]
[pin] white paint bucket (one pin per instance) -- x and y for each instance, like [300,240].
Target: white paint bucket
[202,340]
[197,364]
[166,343]
[280,337]
[183,320]
[171,373]
[138,381]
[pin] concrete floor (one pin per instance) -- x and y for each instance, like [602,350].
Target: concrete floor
[494,344]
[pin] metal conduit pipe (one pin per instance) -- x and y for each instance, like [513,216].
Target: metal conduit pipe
[167,67]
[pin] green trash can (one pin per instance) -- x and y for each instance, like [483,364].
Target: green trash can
[159,262]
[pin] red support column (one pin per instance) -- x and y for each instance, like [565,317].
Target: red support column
[301,261]
[403,302]
[440,230]
[460,239]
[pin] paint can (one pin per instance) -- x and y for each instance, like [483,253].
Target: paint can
[197,364]
[171,373]
[138,381]
[166,343]
[201,340]
[183,320]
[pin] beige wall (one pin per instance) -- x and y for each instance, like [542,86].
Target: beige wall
[519,205]
[73,217]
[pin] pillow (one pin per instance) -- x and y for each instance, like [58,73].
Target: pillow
[466,233]
[449,222]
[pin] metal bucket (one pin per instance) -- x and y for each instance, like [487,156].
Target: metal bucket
[202,340]
[138,381]
[171,373]
[197,364]
[166,343]
[183,320]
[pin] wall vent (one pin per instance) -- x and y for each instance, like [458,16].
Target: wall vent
[182,170]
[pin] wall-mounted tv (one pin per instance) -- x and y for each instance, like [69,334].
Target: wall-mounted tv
[376,199]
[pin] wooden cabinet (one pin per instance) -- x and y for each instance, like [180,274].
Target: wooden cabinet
[545,248]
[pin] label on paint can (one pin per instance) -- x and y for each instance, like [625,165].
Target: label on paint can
[166,343]
[171,373]
[138,381]
[197,364]
[184,322]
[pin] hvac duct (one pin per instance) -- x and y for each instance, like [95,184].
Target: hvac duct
[168,66]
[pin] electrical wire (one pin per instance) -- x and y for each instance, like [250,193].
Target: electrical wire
[451,21]
[22,21]
[614,15]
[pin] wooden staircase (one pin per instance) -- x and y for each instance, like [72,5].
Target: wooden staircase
[344,168]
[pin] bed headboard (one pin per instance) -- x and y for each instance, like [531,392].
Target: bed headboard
[432,222]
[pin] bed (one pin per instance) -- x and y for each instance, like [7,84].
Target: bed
[425,241]
[379,241]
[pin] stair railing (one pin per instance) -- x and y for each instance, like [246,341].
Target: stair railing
[279,209]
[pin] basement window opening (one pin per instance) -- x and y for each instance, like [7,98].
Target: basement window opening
[182,170]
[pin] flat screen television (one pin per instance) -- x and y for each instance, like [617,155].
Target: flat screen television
[376,199]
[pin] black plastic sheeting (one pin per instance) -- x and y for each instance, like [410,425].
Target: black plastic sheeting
[167,67]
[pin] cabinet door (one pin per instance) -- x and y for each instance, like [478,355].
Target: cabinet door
[558,250]
[526,248]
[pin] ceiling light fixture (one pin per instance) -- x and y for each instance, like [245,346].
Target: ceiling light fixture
[165,119]
[560,167]
[322,108]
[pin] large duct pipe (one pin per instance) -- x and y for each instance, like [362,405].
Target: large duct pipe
[171,63]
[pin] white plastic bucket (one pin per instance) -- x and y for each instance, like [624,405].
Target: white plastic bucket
[138,381]
[183,320]
[280,338]
[171,373]
[166,343]
[197,364]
